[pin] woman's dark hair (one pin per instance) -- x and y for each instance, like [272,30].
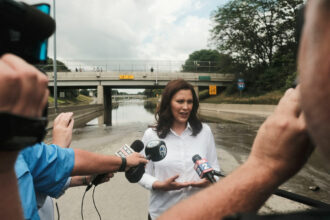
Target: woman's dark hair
[164,116]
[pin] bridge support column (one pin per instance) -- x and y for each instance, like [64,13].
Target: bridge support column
[196,91]
[99,95]
[107,105]
[99,100]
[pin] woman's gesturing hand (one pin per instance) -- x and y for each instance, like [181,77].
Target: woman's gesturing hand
[170,184]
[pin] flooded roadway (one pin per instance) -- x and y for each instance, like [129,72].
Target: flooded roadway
[119,199]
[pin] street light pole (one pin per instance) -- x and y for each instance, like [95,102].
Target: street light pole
[54,63]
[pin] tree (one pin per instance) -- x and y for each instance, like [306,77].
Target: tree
[48,67]
[253,30]
[84,92]
[261,35]
[209,61]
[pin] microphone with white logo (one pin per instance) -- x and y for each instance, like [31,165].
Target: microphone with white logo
[155,150]
[204,169]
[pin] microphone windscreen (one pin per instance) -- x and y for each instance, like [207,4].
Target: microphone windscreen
[137,145]
[156,150]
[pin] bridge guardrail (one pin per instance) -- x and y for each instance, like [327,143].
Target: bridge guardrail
[139,76]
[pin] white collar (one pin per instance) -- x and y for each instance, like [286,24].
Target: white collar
[188,128]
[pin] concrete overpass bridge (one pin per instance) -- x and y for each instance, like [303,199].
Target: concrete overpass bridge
[136,79]
[106,81]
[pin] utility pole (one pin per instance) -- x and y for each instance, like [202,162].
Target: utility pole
[54,64]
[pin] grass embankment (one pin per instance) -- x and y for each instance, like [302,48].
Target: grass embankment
[80,100]
[270,98]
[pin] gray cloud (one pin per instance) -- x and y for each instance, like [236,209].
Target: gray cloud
[129,29]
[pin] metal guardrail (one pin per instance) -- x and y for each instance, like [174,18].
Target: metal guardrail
[139,76]
[135,66]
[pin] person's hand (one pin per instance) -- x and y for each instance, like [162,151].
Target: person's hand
[282,145]
[62,129]
[201,183]
[105,178]
[23,91]
[170,184]
[135,159]
[23,88]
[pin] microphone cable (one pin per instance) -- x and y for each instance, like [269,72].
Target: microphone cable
[58,211]
[95,204]
[82,202]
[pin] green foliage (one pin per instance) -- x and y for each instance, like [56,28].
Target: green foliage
[203,94]
[114,92]
[48,67]
[253,30]
[291,81]
[152,92]
[261,36]
[209,61]
[84,92]
[270,98]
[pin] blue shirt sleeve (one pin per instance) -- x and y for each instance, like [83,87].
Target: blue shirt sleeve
[50,167]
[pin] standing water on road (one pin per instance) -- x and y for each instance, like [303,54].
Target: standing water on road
[121,200]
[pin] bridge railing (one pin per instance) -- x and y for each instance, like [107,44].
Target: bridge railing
[165,76]
[134,66]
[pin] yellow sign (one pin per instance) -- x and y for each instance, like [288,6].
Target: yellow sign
[212,89]
[126,76]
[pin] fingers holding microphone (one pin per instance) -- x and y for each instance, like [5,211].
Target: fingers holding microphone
[134,160]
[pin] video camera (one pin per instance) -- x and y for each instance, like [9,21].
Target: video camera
[24,31]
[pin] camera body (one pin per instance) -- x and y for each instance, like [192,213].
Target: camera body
[24,30]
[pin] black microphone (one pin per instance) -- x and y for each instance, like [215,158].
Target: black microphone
[155,150]
[203,168]
[124,151]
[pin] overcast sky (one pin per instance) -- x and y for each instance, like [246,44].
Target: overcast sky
[131,29]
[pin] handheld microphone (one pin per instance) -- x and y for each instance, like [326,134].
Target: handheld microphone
[124,151]
[203,168]
[155,150]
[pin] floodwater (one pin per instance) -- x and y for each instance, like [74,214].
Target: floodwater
[122,200]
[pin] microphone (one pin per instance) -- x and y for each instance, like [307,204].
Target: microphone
[155,150]
[124,151]
[203,168]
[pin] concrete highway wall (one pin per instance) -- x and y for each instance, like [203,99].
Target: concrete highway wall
[81,113]
[241,113]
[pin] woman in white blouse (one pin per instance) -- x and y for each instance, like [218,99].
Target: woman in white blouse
[174,178]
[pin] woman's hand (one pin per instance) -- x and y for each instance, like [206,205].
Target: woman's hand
[201,183]
[170,184]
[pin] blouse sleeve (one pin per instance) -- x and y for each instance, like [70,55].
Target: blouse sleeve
[148,179]
[212,155]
